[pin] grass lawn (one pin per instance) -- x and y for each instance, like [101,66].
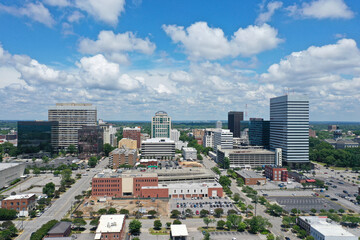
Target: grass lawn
[162,231]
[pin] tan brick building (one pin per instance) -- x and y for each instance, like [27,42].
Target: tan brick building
[127,143]
[122,156]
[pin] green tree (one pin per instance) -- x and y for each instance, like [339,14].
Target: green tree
[216,170]
[226,163]
[66,175]
[49,189]
[234,220]
[111,211]
[36,171]
[107,149]
[240,182]
[78,213]
[32,213]
[270,237]
[79,222]
[124,211]
[242,226]
[92,162]
[71,149]
[258,224]
[94,222]
[157,224]
[218,212]
[168,224]
[207,221]
[274,210]
[220,224]
[206,236]
[102,211]
[134,227]
[204,213]
[175,214]
[176,221]
[199,157]
[225,181]
[313,210]
[236,197]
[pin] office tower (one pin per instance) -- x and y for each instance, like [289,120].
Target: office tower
[35,136]
[109,133]
[223,138]
[219,124]
[160,125]
[175,135]
[289,127]
[158,148]
[71,118]
[134,134]
[234,119]
[90,140]
[259,132]
[208,140]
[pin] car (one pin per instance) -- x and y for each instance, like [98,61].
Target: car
[177,205]
[325,173]
[333,199]
[265,194]
[327,195]
[345,192]
[197,212]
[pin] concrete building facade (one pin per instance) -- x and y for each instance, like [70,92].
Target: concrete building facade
[71,118]
[289,127]
[158,148]
[223,138]
[208,140]
[10,172]
[189,153]
[109,133]
[161,125]
[174,135]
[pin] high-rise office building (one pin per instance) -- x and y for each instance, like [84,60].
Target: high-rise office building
[35,136]
[234,119]
[219,124]
[109,133]
[175,135]
[90,140]
[289,127]
[259,132]
[71,118]
[160,125]
[223,138]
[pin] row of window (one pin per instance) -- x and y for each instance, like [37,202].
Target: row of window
[12,203]
[106,185]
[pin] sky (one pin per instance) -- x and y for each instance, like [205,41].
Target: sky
[196,60]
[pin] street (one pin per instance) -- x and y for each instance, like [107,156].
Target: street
[61,206]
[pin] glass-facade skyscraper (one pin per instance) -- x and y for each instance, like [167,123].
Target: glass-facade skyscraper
[234,119]
[289,127]
[161,125]
[259,132]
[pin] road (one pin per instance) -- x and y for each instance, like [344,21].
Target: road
[62,205]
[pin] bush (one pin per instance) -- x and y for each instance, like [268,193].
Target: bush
[40,233]
[6,214]
[157,224]
[220,224]
[176,221]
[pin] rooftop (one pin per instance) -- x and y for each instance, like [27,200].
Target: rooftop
[246,151]
[60,228]
[73,106]
[185,185]
[4,166]
[123,151]
[179,230]
[186,149]
[130,173]
[131,129]
[110,223]
[20,196]
[158,140]
[249,174]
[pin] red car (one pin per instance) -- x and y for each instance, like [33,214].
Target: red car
[197,212]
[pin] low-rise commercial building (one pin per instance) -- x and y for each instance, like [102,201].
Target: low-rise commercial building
[158,148]
[61,229]
[23,203]
[180,144]
[10,172]
[276,173]
[245,158]
[111,227]
[251,178]
[322,228]
[127,143]
[148,162]
[189,153]
[342,143]
[122,156]
[297,177]
[178,232]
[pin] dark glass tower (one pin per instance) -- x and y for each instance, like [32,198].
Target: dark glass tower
[259,132]
[234,119]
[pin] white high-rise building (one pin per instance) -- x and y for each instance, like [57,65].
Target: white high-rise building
[289,127]
[161,125]
[219,124]
[174,135]
[71,118]
[208,140]
[109,133]
[224,138]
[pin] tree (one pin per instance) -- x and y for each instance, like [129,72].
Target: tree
[45,159]
[189,212]
[49,189]
[107,149]
[94,222]
[240,182]
[270,237]
[234,220]
[168,224]
[220,224]
[218,212]
[71,149]
[341,210]
[157,224]
[274,210]
[206,236]
[78,222]
[176,221]
[236,197]
[295,211]
[258,224]
[102,211]
[134,227]
[309,238]
[199,157]
[111,211]
[32,213]
[313,210]
[175,214]
[242,226]
[78,213]
[207,221]
[216,170]
[56,194]
[152,213]
[92,162]
[204,213]
[226,163]
[66,174]
[124,211]
[36,171]
[225,181]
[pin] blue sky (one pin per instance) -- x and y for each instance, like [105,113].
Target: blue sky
[197,60]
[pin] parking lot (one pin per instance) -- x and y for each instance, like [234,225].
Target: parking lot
[196,205]
[233,234]
[305,203]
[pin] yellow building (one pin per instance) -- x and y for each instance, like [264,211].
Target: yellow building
[128,143]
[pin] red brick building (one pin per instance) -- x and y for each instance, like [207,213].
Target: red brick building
[251,178]
[111,227]
[148,162]
[133,133]
[276,173]
[21,203]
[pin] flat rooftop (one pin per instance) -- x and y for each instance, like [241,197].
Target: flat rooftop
[123,151]
[179,230]
[110,223]
[60,228]
[133,174]
[158,140]
[185,185]
[188,149]
[20,196]
[249,174]
[246,151]
[4,166]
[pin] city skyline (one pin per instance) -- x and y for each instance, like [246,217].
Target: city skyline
[131,59]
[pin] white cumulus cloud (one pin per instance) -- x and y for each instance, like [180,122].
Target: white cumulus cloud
[322,9]
[266,16]
[203,42]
